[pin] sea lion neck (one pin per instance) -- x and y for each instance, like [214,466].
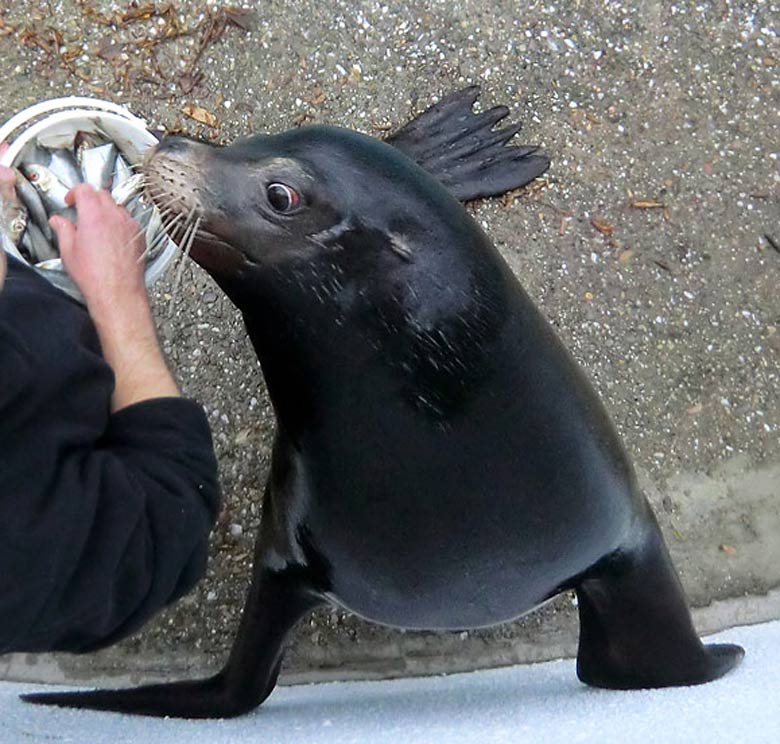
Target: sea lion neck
[424,329]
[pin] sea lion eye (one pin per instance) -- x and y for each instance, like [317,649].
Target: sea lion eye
[282,198]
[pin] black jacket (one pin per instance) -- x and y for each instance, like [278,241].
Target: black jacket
[104,517]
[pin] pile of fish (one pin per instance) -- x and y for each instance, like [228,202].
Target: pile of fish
[44,176]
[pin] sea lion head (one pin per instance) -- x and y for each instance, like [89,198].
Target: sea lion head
[266,202]
[343,255]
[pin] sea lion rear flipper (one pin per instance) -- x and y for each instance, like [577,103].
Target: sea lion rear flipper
[635,627]
[464,151]
[275,603]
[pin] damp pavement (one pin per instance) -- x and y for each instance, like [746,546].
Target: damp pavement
[651,245]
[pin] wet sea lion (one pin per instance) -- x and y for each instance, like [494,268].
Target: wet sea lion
[440,461]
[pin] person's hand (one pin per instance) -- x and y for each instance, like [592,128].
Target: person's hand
[2,268]
[101,252]
[8,199]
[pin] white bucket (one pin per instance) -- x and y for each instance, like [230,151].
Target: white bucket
[53,124]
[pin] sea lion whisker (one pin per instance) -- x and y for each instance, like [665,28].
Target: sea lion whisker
[177,230]
[136,173]
[182,232]
[141,231]
[171,225]
[156,242]
[156,194]
[185,252]
[153,244]
[166,230]
[164,198]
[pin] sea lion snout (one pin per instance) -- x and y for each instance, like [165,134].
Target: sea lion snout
[175,169]
[262,204]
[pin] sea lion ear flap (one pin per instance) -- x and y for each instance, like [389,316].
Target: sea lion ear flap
[464,151]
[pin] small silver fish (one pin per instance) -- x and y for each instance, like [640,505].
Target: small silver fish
[59,161]
[29,196]
[97,165]
[125,191]
[154,235]
[36,154]
[13,215]
[85,141]
[17,226]
[52,264]
[63,165]
[25,247]
[40,248]
[52,191]
[122,171]
[138,210]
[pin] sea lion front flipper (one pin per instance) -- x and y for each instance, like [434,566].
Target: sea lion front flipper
[464,151]
[276,601]
[635,627]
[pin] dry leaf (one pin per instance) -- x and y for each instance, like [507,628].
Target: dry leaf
[604,227]
[142,13]
[728,550]
[239,17]
[109,50]
[200,115]
[71,53]
[646,204]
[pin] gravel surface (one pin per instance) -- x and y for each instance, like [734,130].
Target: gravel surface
[645,244]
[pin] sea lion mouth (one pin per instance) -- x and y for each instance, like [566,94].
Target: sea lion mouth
[176,183]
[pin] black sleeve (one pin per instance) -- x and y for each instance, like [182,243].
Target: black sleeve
[104,518]
[152,497]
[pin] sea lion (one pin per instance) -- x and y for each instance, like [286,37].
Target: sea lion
[441,462]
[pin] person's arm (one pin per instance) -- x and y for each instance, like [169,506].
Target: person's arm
[7,198]
[102,256]
[2,268]
[104,514]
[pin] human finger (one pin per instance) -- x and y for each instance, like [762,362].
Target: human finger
[104,198]
[7,175]
[81,195]
[66,234]
[7,184]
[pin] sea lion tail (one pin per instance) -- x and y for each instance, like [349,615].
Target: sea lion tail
[465,152]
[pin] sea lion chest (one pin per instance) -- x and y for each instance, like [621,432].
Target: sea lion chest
[462,469]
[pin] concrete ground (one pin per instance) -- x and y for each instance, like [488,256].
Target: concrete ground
[540,702]
[653,246]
